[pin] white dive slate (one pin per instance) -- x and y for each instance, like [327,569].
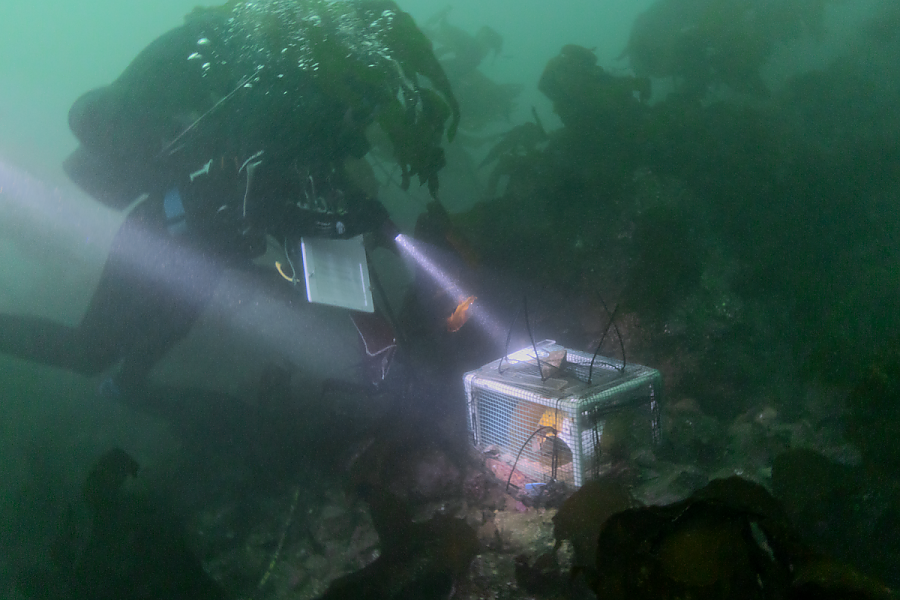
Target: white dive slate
[337,273]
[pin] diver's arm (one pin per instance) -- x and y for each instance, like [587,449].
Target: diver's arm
[364,216]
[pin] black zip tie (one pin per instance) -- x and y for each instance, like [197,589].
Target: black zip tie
[524,309]
[612,322]
[522,449]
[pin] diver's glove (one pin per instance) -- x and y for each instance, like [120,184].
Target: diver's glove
[387,235]
[366,216]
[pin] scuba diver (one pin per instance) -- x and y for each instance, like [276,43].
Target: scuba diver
[232,128]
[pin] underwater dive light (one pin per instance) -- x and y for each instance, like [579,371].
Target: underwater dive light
[406,244]
[477,312]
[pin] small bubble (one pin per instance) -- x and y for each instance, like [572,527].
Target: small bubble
[202,41]
[205,66]
[195,56]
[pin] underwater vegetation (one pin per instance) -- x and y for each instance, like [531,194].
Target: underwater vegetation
[849,513]
[729,229]
[349,63]
[660,276]
[486,106]
[582,515]
[708,44]
[131,547]
[873,420]
[751,247]
[730,539]
[417,559]
[482,101]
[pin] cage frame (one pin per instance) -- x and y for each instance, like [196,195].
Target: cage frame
[617,386]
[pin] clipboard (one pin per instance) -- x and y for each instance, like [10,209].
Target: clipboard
[336,272]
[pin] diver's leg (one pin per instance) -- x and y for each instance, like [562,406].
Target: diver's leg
[183,281]
[167,324]
[111,320]
[152,289]
[90,347]
[97,342]
[123,296]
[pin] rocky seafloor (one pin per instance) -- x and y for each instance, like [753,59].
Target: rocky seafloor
[295,538]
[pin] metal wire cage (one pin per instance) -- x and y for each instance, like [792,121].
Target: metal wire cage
[565,416]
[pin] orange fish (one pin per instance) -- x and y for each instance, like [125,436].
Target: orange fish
[460,315]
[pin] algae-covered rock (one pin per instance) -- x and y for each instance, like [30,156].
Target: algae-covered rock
[137,547]
[581,517]
[873,421]
[726,541]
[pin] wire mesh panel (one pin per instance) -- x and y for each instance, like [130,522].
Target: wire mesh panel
[562,416]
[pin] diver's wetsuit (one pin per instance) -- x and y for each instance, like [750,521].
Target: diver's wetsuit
[222,159]
[156,280]
[152,289]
